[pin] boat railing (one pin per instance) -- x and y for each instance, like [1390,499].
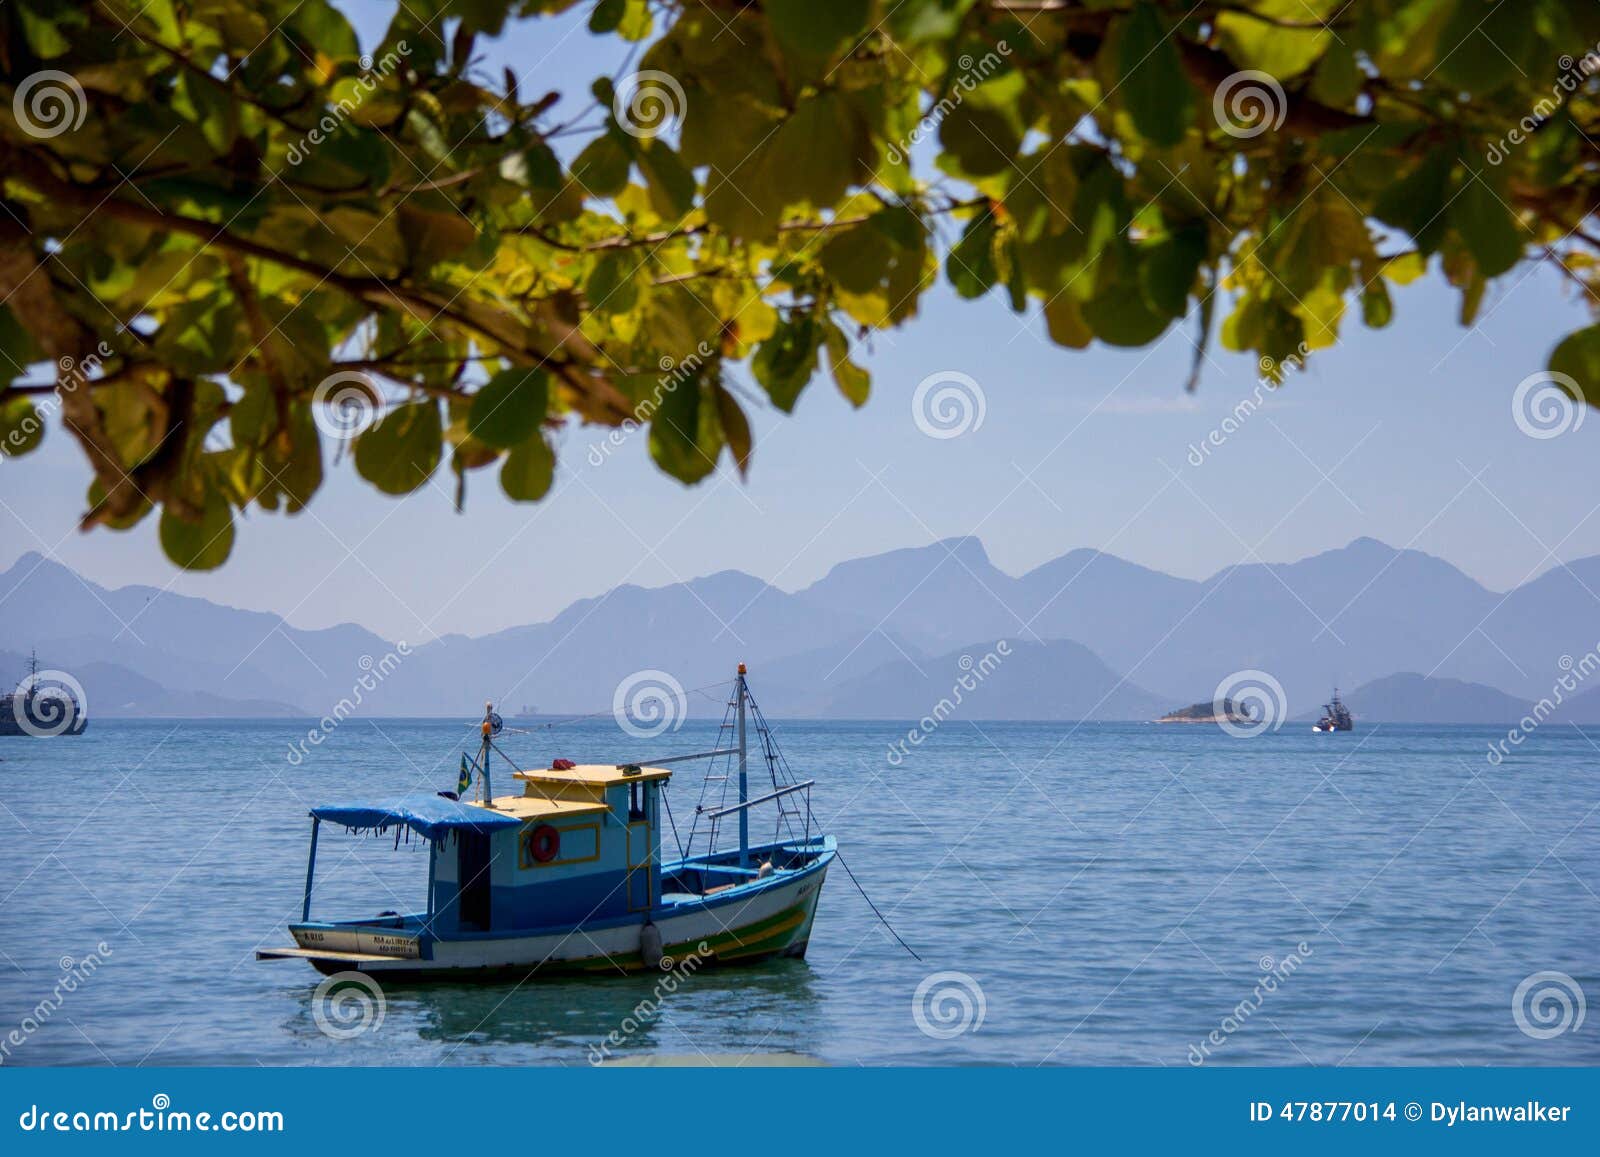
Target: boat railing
[718,813]
[671,759]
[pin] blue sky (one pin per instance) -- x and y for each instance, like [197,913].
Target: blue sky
[1406,435]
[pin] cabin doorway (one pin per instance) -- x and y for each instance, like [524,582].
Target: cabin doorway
[640,862]
[641,844]
[472,871]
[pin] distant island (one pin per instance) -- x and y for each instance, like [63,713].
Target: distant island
[1207,712]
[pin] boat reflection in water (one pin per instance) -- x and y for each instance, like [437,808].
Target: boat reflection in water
[777,1009]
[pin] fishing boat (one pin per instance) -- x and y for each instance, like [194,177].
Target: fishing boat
[1335,716]
[569,876]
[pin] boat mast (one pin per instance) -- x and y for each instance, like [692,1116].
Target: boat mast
[483,753]
[744,782]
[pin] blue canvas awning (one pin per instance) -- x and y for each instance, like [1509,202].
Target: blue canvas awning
[430,816]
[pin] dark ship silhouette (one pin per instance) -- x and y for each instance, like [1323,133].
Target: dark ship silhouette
[1335,716]
[41,709]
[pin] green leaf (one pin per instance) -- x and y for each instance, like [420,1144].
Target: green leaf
[203,545]
[611,287]
[669,181]
[857,258]
[348,153]
[878,267]
[21,428]
[1578,357]
[983,141]
[1015,273]
[553,195]
[142,507]
[1416,202]
[17,348]
[529,470]
[602,167]
[820,151]
[637,21]
[402,451]
[323,28]
[735,428]
[853,381]
[1100,210]
[1338,78]
[785,362]
[509,407]
[970,266]
[686,434]
[290,463]
[1486,44]
[1267,45]
[744,202]
[807,30]
[43,35]
[251,417]
[1063,320]
[1322,307]
[1120,317]
[723,129]
[1377,308]
[1154,87]
[1054,262]
[432,236]
[1170,267]
[607,15]
[1486,225]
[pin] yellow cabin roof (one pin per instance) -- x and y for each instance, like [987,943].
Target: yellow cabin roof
[576,791]
[599,774]
[529,807]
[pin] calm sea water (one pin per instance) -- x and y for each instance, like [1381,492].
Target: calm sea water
[1110,894]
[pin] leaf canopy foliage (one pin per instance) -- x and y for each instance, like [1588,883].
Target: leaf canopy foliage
[210,208]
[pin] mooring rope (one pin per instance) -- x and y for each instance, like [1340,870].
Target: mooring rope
[884,919]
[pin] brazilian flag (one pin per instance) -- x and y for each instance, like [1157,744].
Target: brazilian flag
[464,782]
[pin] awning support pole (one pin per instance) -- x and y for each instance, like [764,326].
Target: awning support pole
[433,860]
[311,867]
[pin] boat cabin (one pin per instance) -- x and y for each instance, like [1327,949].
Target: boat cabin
[592,829]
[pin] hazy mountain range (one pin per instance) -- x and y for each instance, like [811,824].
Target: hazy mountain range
[1090,635]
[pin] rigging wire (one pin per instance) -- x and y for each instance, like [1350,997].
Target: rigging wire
[666,803]
[718,770]
[775,759]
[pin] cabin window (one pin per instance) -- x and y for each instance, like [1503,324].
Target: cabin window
[638,802]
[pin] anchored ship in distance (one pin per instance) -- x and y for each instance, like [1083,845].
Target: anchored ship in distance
[43,707]
[1335,716]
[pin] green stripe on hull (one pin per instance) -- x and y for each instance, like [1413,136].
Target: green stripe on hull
[764,937]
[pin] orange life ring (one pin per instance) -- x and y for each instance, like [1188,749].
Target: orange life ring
[544,844]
